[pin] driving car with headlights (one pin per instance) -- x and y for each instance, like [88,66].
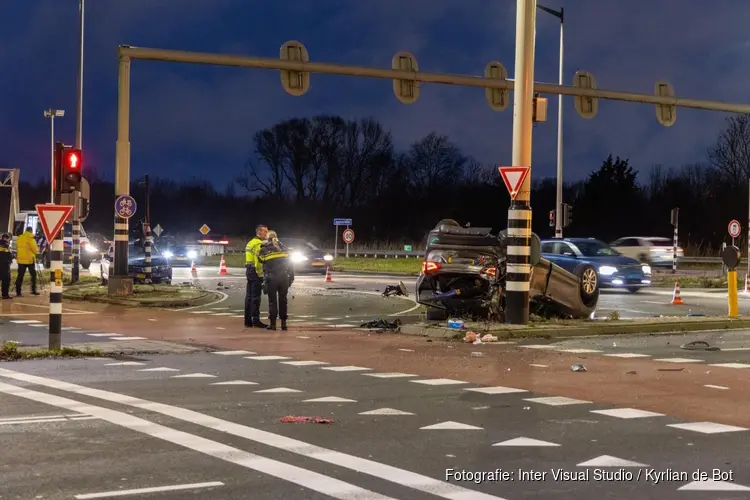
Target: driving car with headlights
[181,256]
[613,269]
[161,271]
[306,257]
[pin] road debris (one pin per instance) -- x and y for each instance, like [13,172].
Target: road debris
[471,338]
[382,325]
[477,354]
[699,345]
[290,419]
[455,324]
[631,372]
[488,337]
[398,290]
[669,369]
[578,368]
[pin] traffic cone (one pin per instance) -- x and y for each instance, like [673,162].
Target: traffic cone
[328,275]
[747,284]
[193,269]
[676,299]
[223,267]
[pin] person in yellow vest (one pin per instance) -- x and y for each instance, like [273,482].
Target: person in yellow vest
[26,252]
[278,277]
[254,274]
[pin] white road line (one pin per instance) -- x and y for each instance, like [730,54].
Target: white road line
[370,467]
[40,417]
[721,387]
[201,312]
[143,491]
[224,297]
[221,314]
[24,321]
[46,420]
[297,475]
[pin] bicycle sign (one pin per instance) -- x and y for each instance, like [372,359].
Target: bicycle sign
[125,206]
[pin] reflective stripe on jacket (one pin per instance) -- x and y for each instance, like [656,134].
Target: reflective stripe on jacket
[252,249]
[26,249]
[276,261]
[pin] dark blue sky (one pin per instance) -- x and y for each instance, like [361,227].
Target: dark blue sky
[198,121]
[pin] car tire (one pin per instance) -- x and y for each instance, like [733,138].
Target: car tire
[633,289]
[434,314]
[86,263]
[589,284]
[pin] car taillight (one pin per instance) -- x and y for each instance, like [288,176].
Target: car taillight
[430,267]
[490,271]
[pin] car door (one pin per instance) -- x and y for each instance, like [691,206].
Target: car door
[561,253]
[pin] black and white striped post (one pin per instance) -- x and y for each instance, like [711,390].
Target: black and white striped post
[675,224]
[519,215]
[121,246]
[76,250]
[55,295]
[147,251]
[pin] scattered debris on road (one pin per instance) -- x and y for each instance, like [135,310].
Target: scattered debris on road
[455,324]
[399,290]
[578,368]
[699,345]
[669,369]
[383,325]
[631,372]
[471,337]
[290,419]
[476,354]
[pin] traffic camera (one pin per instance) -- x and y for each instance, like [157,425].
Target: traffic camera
[71,160]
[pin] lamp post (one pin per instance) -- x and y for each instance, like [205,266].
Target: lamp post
[560,14]
[52,114]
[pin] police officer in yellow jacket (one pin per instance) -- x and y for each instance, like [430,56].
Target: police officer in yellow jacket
[254,274]
[278,277]
[26,252]
[6,259]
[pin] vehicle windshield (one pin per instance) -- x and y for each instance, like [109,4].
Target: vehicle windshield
[297,244]
[596,248]
[137,252]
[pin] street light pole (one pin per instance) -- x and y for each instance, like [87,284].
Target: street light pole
[76,223]
[51,114]
[559,194]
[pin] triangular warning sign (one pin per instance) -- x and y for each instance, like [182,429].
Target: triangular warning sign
[52,218]
[513,178]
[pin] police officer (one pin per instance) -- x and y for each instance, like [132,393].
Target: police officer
[6,258]
[254,274]
[27,251]
[279,276]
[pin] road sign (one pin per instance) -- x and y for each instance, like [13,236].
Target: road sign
[204,229]
[52,218]
[407,91]
[587,107]
[296,83]
[665,113]
[407,248]
[513,178]
[734,229]
[125,206]
[348,236]
[342,222]
[496,98]
[158,230]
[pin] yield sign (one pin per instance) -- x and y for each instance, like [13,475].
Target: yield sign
[52,218]
[513,178]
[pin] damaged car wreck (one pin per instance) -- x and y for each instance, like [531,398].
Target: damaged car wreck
[463,275]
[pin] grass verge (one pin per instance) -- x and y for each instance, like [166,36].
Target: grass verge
[698,282]
[157,295]
[83,279]
[407,267]
[10,351]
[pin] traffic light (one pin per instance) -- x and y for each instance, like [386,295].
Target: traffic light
[551,218]
[567,215]
[71,170]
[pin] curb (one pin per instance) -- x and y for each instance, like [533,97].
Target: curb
[621,327]
[375,273]
[178,303]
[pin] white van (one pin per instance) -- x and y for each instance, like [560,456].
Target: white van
[29,218]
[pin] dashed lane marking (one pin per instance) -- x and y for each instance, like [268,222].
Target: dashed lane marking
[310,480]
[495,390]
[126,363]
[610,461]
[24,321]
[628,355]
[390,375]
[713,485]
[557,401]
[345,368]
[579,351]
[304,363]
[104,335]
[680,360]
[277,390]
[159,369]
[627,413]
[267,358]
[386,411]
[132,338]
[720,387]
[195,375]
[438,381]
[707,427]
[235,382]
[524,441]
[221,314]
[539,346]
[144,491]
[330,399]
[232,353]
[451,426]
[731,365]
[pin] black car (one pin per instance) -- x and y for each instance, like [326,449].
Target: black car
[161,271]
[306,257]
[464,272]
[181,255]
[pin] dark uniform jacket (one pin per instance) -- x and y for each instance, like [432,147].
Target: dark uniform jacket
[6,257]
[276,263]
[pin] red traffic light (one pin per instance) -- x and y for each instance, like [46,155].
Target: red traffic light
[73,160]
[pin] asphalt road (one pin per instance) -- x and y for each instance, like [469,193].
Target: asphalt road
[210,423]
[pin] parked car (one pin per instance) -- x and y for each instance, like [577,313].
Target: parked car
[306,257]
[614,269]
[464,272]
[181,255]
[655,251]
[161,271]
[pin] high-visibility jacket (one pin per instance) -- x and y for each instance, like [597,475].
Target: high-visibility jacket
[276,263]
[26,249]
[6,258]
[252,250]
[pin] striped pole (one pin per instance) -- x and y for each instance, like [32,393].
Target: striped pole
[147,251]
[121,246]
[76,223]
[674,241]
[55,295]
[518,269]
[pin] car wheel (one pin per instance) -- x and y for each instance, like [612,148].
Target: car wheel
[434,314]
[589,284]
[633,289]
[85,263]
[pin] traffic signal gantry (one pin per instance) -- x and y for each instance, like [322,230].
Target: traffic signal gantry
[296,68]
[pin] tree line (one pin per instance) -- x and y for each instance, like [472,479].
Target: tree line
[305,171]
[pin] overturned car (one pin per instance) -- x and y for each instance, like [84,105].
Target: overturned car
[463,275]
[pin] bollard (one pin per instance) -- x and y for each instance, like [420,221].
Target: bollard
[732,295]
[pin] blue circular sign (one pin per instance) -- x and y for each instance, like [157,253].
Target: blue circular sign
[125,206]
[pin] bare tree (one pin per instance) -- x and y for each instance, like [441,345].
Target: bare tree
[435,160]
[731,154]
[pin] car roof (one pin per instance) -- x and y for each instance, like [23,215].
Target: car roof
[572,240]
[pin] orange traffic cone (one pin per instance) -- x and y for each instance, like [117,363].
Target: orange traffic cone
[328,275]
[223,267]
[676,299]
[193,269]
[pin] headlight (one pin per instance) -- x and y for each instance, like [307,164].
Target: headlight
[90,249]
[298,257]
[607,270]
[646,269]
[192,254]
[168,254]
[328,257]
